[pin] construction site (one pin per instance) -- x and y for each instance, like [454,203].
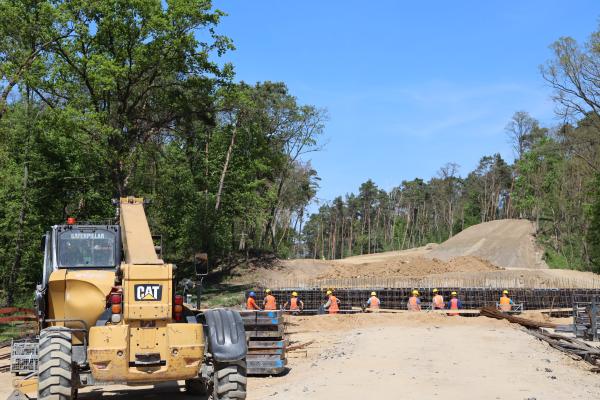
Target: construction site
[546,347]
[210,199]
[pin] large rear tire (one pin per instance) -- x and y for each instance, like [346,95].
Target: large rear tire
[56,377]
[229,380]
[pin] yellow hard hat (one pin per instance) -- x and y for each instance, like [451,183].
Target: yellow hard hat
[295,294]
[435,290]
[505,292]
[415,292]
[373,294]
[329,292]
[453,293]
[267,290]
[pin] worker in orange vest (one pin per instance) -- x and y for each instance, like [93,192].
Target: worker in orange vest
[438,300]
[333,303]
[373,303]
[454,304]
[505,303]
[269,303]
[251,303]
[295,304]
[414,303]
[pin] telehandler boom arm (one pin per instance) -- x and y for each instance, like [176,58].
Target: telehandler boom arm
[138,245]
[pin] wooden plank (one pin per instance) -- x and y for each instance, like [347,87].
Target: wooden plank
[252,321]
[271,352]
[265,357]
[265,328]
[253,364]
[267,344]
[267,314]
[265,371]
[263,334]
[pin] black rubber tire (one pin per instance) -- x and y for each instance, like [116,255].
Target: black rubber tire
[196,386]
[229,381]
[56,378]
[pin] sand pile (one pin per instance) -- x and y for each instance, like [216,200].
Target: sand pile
[508,243]
[408,266]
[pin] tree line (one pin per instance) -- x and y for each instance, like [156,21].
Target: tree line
[553,181]
[101,99]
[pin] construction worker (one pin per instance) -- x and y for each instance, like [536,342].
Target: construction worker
[333,303]
[505,303]
[437,301]
[373,303]
[414,303]
[269,303]
[251,302]
[454,304]
[295,304]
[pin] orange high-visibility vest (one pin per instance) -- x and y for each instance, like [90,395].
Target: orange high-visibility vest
[438,301]
[333,307]
[294,303]
[453,306]
[413,305]
[270,303]
[251,304]
[374,303]
[505,304]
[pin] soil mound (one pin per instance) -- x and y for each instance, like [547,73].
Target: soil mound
[406,266]
[508,243]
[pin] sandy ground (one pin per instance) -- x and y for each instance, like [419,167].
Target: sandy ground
[429,356]
[425,356]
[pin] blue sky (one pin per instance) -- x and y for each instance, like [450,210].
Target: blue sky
[408,86]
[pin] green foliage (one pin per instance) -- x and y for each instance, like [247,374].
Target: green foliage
[114,98]
[556,260]
[593,233]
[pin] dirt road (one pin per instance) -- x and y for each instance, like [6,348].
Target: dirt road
[431,356]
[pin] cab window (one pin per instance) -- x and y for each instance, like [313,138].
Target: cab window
[86,248]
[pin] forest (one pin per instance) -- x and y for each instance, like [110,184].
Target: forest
[553,181]
[101,99]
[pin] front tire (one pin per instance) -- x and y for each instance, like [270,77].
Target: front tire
[229,381]
[56,377]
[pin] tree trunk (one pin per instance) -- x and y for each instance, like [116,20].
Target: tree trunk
[225,166]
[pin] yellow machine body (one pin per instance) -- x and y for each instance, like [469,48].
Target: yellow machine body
[78,295]
[146,330]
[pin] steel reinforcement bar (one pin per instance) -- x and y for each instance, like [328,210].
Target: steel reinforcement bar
[471,298]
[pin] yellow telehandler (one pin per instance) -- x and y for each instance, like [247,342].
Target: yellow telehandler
[108,313]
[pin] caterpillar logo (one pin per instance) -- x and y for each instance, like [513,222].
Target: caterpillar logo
[148,292]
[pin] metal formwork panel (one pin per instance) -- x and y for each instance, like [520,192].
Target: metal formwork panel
[24,356]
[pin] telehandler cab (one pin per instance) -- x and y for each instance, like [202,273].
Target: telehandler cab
[108,313]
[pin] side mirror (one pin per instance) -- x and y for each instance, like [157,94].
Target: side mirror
[201,264]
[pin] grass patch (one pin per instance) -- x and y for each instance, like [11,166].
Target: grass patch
[555,260]
[11,331]
[221,295]
[566,259]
